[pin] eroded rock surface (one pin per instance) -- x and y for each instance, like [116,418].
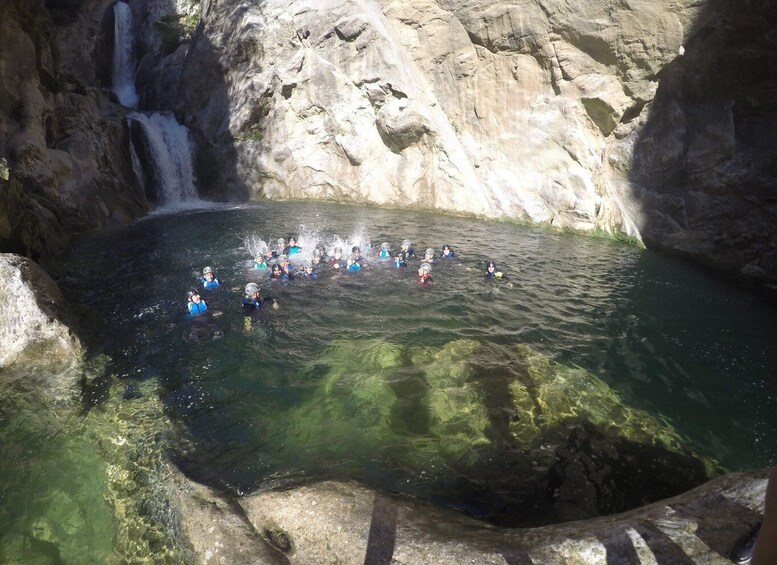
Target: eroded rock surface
[63,146]
[34,318]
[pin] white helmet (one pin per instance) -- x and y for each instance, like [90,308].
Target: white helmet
[252,288]
[207,271]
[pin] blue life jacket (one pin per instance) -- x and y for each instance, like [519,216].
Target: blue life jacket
[354,267]
[311,276]
[400,263]
[261,265]
[209,284]
[384,254]
[195,308]
[293,250]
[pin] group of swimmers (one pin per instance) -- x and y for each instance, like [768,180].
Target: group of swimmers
[277,261]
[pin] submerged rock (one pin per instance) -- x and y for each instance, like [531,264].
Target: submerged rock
[534,441]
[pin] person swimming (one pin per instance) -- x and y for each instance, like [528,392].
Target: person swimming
[260,262]
[336,260]
[315,259]
[280,247]
[425,273]
[253,302]
[292,248]
[208,278]
[283,262]
[429,256]
[385,251]
[399,260]
[407,249]
[307,271]
[277,274]
[352,263]
[447,252]
[195,303]
[492,272]
[356,253]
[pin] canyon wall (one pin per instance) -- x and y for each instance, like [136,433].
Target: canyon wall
[64,164]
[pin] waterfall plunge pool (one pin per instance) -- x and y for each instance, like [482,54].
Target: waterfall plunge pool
[604,378]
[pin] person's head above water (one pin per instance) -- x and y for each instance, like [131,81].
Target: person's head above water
[424,269]
[429,254]
[490,266]
[338,252]
[385,245]
[193,295]
[307,266]
[406,244]
[292,241]
[283,260]
[446,250]
[207,272]
[252,290]
[355,250]
[276,270]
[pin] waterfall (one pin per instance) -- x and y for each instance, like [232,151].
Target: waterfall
[124,56]
[163,157]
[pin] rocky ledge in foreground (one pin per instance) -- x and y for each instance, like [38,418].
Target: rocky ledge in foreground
[343,522]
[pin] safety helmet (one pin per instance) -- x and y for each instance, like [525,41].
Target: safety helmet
[406,243]
[426,267]
[306,263]
[282,259]
[252,288]
[207,271]
[281,241]
[429,251]
[385,245]
[192,292]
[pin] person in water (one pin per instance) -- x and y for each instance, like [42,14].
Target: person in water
[307,271]
[385,251]
[425,273]
[208,278]
[352,263]
[492,272]
[195,303]
[321,251]
[253,302]
[356,253]
[292,247]
[429,256]
[283,261]
[447,252]
[277,274]
[280,247]
[315,259]
[260,262]
[399,260]
[336,260]
[407,249]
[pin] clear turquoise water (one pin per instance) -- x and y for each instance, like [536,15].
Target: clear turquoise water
[691,350]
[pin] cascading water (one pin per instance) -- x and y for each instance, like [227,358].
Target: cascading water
[124,56]
[163,162]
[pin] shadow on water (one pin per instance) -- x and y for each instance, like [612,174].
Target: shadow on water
[705,163]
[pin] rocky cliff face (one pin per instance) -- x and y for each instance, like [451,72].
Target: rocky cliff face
[627,117]
[64,164]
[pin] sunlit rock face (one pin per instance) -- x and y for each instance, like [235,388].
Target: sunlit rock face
[542,111]
[503,110]
[64,164]
[33,315]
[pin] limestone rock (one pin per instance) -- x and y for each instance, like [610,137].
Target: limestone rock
[33,315]
[337,522]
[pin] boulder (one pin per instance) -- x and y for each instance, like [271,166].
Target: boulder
[34,321]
